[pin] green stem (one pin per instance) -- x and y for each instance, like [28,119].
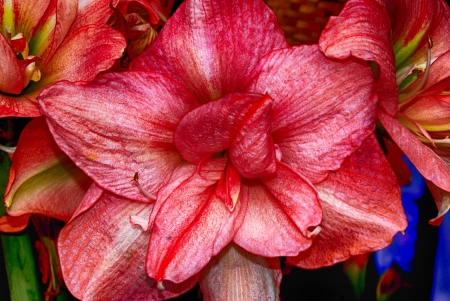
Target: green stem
[21,268]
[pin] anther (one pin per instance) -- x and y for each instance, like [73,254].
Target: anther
[160,285]
[144,192]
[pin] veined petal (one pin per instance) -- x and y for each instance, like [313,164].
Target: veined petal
[430,165]
[190,224]
[92,13]
[322,109]
[362,209]
[21,106]
[211,128]
[21,16]
[103,254]
[11,77]
[52,28]
[363,30]
[118,125]
[82,56]
[252,150]
[281,207]
[211,47]
[43,180]
[236,274]
[229,186]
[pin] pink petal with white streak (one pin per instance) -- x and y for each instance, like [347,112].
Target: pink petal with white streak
[211,47]
[118,125]
[190,224]
[103,254]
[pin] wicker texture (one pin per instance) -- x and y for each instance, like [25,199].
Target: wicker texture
[304,20]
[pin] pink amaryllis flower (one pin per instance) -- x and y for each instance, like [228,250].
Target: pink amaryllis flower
[230,136]
[407,43]
[45,41]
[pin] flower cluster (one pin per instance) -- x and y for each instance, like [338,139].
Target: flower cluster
[220,145]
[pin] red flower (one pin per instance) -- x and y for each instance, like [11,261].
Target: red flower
[407,43]
[45,41]
[231,136]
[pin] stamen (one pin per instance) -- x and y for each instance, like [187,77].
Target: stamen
[315,232]
[403,98]
[8,149]
[144,192]
[160,285]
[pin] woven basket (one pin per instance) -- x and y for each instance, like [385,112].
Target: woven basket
[304,20]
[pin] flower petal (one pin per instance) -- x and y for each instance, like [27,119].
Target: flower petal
[103,254]
[321,111]
[211,47]
[281,207]
[430,165]
[240,122]
[13,224]
[190,224]
[42,179]
[118,125]
[362,209]
[363,30]
[11,77]
[442,199]
[252,150]
[236,274]
[21,106]
[90,12]
[52,28]
[82,56]
[412,23]
[21,16]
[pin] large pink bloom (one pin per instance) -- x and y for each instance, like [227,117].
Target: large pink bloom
[44,41]
[235,137]
[409,43]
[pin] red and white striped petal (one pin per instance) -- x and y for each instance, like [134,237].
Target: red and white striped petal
[190,224]
[119,125]
[211,47]
[103,254]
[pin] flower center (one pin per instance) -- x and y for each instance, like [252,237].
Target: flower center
[236,123]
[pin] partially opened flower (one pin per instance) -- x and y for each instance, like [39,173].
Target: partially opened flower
[42,179]
[407,43]
[50,40]
[230,136]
